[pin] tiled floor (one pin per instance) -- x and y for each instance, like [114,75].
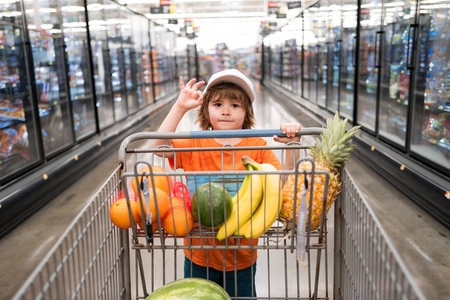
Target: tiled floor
[423,243]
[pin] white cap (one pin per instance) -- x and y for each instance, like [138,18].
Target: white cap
[233,76]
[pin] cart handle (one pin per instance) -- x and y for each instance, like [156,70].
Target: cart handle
[205,134]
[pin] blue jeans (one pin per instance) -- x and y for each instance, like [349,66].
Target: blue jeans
[245,278]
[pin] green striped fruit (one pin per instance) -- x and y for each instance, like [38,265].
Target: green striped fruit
[190,289]
[211,205]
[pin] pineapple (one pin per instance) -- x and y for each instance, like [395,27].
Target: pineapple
[329,153]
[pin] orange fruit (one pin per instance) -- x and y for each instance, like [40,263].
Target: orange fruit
[163,201]
[179,220]
[161,182]
[118,213]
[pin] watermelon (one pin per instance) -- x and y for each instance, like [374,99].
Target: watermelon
[211,199]
[190,288]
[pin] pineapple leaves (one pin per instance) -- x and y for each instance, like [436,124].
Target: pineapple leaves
[334,145]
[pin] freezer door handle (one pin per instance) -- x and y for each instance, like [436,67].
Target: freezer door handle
[378,47]
[410,46]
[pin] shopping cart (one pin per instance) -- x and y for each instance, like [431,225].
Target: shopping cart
[91,259]
[159,257]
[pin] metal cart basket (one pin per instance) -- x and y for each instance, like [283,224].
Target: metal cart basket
[159,256]
[91,259]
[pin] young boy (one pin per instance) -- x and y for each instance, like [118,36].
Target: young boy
[226,104]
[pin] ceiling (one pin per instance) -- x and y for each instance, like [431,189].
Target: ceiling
[235,22]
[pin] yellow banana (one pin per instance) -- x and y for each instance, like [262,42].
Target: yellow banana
[244,207]
[267,211]
[243,189]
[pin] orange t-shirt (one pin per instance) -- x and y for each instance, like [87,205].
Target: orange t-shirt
[212,161]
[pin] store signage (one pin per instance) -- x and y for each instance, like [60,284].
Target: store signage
[173,21]
[164,9]
[273,8]
[281,16]
[165,6]
[156,10]
[295,4]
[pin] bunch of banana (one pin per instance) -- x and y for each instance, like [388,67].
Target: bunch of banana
[257,203]
[245,203]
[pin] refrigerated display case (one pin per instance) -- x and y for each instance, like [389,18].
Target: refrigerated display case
[334,48]
[147,62]
[76,46]
[430,138]
[142,61]
[310,59]
[389,63]
[192,60]
[117,59]
[267,60]
[396,71]
[129,67]
[50,71]
[101,63]
[290,71]
[163,55]
[320,25]
[347,59]
[18,133]
[275,64]
[368,72]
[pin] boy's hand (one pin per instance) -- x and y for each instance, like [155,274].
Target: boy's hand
[190,97]
[290,129]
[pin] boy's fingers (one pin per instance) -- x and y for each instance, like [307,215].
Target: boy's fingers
[190,83]
[181,82]
[197,85]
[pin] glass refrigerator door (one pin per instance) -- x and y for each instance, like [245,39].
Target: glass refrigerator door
[368,60]
[309,72]
[113,21]
[333,60]
[431,120]
[49,69]
[101,65]
[347,59]
[76,42]
[129,66]
[191,60]
[323,47]
[395,74]
[18,135]
[138,33]
[146,63]
[267,61]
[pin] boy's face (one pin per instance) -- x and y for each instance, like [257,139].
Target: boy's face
[226,114]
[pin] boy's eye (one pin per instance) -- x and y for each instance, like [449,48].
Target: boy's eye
[217,104]
[235,105]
